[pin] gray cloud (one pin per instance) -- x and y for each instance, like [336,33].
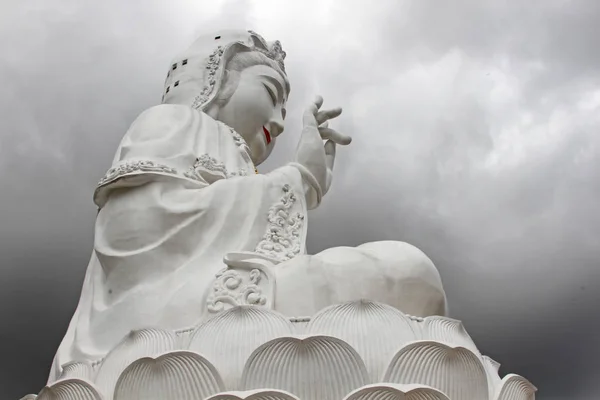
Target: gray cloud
[475,139]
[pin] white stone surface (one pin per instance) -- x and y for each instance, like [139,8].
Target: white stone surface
[199,285]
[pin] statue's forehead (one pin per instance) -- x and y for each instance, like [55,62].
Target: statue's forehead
[265,72]
[261,69]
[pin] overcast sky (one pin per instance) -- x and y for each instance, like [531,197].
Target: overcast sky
[475,127]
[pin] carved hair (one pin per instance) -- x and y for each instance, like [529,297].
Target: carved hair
[236,65]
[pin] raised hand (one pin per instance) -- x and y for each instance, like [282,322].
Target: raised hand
[318,158]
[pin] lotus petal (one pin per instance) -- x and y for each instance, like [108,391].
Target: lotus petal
[375,330]
[229,338]
[261,394]
[444,330]
[491,370]
[297,365]
[180,375]
[80,370]
[386,391]
[456,371]
[515,387]
[138,344]
[70,389]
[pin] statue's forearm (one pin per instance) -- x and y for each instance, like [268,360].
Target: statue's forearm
[312,189]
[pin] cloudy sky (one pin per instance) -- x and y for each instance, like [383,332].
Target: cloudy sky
[475,127]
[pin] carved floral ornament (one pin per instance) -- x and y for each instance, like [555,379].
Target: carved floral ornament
[212,66]
[282,241]
[355,351]
[206,163]
[233,287]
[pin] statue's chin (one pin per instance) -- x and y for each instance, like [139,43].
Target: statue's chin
[262,157]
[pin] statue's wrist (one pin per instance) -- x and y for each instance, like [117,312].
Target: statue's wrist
[312,189]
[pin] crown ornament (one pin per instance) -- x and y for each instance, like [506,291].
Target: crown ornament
[275,51]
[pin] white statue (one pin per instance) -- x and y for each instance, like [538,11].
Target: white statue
[199,286]
[183,194]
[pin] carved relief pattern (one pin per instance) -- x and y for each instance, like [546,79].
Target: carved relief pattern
[208,163]
[238,139]
[212,66]
[234,288]
[282,239]
[134,166]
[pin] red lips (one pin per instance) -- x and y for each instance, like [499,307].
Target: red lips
[267,135]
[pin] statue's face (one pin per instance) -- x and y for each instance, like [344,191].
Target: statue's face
[256,109]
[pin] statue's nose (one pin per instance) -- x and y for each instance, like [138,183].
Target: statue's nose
[276,126]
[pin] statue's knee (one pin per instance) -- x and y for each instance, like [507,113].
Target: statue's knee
[395,250]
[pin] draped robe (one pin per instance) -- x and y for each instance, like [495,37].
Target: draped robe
[180,195]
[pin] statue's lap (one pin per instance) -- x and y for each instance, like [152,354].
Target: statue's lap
[390,272]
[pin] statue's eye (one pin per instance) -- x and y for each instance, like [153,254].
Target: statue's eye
[271,94]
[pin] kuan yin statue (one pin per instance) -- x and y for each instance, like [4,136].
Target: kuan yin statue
[188,228]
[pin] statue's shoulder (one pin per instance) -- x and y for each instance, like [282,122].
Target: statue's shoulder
[175,112]
[176,119]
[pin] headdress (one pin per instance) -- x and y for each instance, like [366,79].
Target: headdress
[196,75]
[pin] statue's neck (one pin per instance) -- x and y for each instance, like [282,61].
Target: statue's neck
[212,111]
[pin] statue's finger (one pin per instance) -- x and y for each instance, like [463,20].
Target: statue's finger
[318,101]
[325,115]
[335,136]
[327,133]
[330,154]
